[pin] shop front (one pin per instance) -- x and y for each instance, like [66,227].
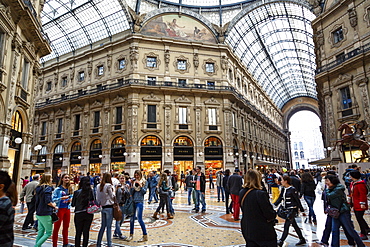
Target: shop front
[352,154]
[118,152]
[151,154]
[15,146]
[40,165]
[95,157]
[75,159]
[213,156]
[57,162]
[183,151]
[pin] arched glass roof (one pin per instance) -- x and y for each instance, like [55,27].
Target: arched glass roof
[275,43]
[72,24]
[273,38]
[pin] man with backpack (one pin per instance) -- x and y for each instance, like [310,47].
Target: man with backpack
[96,181]
[347,178]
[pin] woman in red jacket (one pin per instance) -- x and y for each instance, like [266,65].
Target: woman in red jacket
[359,201]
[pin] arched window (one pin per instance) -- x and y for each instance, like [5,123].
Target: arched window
[43,151]
[213,142]
[119,142]
[17,122]
[302,154]
[183,141]
[76,147]
[59,149]
[151,141]
[96,145]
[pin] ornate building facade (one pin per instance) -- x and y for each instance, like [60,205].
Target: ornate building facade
[21,46]
[342,47]
[144,100]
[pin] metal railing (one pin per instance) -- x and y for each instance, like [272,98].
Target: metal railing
[159,84]
[343,58]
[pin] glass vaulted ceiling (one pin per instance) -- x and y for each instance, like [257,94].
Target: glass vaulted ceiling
[275,43]
[72,24]
[273,38]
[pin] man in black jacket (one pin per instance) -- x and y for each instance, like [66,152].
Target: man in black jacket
[296,182]
[200,189]
[235,183]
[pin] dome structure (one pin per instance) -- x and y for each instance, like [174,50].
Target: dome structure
[273,39]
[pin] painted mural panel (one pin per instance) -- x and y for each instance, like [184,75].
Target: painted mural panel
[184,28]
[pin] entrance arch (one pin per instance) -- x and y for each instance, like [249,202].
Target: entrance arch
[118,158]
[57,161]
[151,153]
[95,156]
[213,155]
[299,104]
[183,150]
[75,158]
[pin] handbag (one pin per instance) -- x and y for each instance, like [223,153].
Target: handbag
[129,207]
[285,213]
[93,207]
[54,217]
[332,212]
[117,212]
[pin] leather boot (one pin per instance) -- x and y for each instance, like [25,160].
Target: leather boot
[143,239]
[130,237]
[169,216]
[155,215]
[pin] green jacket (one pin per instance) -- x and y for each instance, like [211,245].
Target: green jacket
[337,198]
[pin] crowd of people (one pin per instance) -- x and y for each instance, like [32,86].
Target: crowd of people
[260,196]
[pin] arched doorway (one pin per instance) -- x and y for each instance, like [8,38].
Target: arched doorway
[213,155]
[95,156]
[40,165]
[183,154]
[75,159]
[151,154]
[57,161]
[118,158]
[15,146]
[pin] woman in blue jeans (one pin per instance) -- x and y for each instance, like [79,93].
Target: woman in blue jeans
[138,190]
[336,198]
[308,192]
[122,194]
[105,196]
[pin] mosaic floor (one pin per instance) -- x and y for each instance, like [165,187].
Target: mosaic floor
[212,228]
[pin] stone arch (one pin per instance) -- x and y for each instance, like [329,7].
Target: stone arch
[25,119]
[298,104]
[180,135]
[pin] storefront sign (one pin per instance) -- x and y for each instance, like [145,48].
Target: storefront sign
[183,151]
[151,151]
[213,151]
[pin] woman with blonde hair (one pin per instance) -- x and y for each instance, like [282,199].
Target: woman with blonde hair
[163,190]
[258,218]
[137,191]
[105,196]
[44,209]
[62,196]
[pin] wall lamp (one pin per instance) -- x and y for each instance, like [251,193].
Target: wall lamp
[37,147]
[201,153]
[245,155]
[18,140]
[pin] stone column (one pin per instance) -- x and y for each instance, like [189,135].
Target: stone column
[167,149]
[132,161]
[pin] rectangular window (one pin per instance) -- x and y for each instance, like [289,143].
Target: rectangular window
[100,70]
[210,67]
[48,86]
[151,62]
[43,129]
[182,82]
[212,116]
[26,71]
[119,115]
[60,125]
[2,38]
[77,122]
[183,115]
[81,76]
[242,124]
[64,81]
[152,116]
[96,118]
[151,81]
[181,64]
[234,119]
[121,64]
[338,35]
[346,98]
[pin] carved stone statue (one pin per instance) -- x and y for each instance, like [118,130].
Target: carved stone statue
[352,17]
[221,31]
[196,60]
[137,18]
